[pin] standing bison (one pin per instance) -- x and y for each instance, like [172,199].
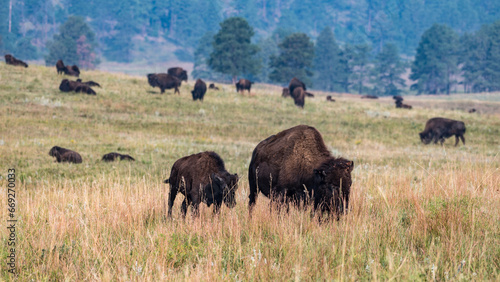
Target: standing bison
[11,60]
[438,129]
[200,178]
[299,95]
[200,88]
[65,155]
[164,81]
[295,166]
[294,83]
[243,84]
[180,73]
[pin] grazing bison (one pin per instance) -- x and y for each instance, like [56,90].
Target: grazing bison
[294,83]
[438,129]
[65,155]
[89,83]
[243,84]
[11,60]
[295,166]
[369,97]
[212,86]
[69,85]
[60,67]
[164,81]
[180,73]
[399,104]
[329,98]
[200,178]
[298,96]
[111,157]
[285,93]
[200,88]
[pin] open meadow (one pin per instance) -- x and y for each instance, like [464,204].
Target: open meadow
[417,212]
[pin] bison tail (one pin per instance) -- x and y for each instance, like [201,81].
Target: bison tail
[166,180]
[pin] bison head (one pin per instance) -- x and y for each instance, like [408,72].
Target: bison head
[152,79]
[54,151]
[183,76]
[426,138]
[221,189]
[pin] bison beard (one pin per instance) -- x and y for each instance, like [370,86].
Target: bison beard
[438,129]
[200,88]
[65,155]
[294,166]
[200,178]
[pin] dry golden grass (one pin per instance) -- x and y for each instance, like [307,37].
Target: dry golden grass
[418,212]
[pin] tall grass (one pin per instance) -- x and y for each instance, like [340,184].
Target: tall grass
[418,212]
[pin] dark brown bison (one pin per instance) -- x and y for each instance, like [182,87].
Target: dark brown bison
[60,67]
[180,73]
[285,93]
[200,178]
[309,94]
[295,166]
[200,88]
[69,85]
[438,129]
[472,111]
[397,98]
[72,70]
[329,98]
[298,96]
[89,83]
[294,83]
[65,155]
[11,60]
[369,97]
[113,156]
[243,84]
[164,81]
[212,86]
[399,104]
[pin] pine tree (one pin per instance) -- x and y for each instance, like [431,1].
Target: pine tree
[233,53]
[327,62]
[492,63]
[295,59]
[360,66]
[388,70]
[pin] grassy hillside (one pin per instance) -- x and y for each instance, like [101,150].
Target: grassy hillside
[418,212]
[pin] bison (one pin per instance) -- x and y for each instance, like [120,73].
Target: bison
[65,155]
[164,81]
[309,94]
[60,67]
[294,83]
[200,178]
[200,88]
[11,60]
[285,93]
[243,84]
[212,86]
[369,97]
[399,104]
[113,156]
[89,83]
[69,85]
[438,129]
[298,96]
[180,73]
[71,70]
[473,110]
[330,99]
[294,166]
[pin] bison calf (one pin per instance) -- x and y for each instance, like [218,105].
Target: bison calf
[113,156]
[200,178]
[65,155]
[200,88]
[438,129]
[295,166]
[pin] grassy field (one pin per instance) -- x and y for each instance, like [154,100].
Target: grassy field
[418,212]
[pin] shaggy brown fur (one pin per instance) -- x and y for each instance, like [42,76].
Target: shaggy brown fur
[11,60]
[243,84]
[69,85]
[294,83]
[60,67]
[329,98]
[113,156]
[72,70]
[180,73]
[65,155]
[295,166]
[298,96]
[212,86]
[472,111]
[164,81]
[438,129]
[200,88]
[200,178]
[399,104]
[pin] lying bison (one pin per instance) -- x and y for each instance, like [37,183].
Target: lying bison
[89,83]
[76,86]
[200,178]
[200,88]
[68,70]
[212,86]
[180,73]
[438,129]
[330,99]
[164,81]
[65,155]
[243,84]
[295,166]
[11,60]
[111,157]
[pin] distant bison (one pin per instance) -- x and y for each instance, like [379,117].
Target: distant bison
[243,84]
[397,98]
[298,96]
[200,88]
[438,129]
[309,94]
[71,70]
[89,83]
[60,67]
[11,60]
[65,155]
[200,178]
[369,97]
[212,86]
[164,81]
[76,86]
[180,73]
[285,93]
[329,98]
[110,157]
[295,166]
[472,111]
[399,104]
[294,83]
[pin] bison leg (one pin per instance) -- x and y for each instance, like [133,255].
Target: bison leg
[195,207]
[171,199]
[456,140]
[177,90]
[162,90]
[184,207]
[463,139]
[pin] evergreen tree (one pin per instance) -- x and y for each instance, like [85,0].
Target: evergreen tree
[388,70]
[492,63]
[360,66]
[25,50]
[436,60]
[295,59]
[233,53]
[65,46]
[327,62]
[346,57]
